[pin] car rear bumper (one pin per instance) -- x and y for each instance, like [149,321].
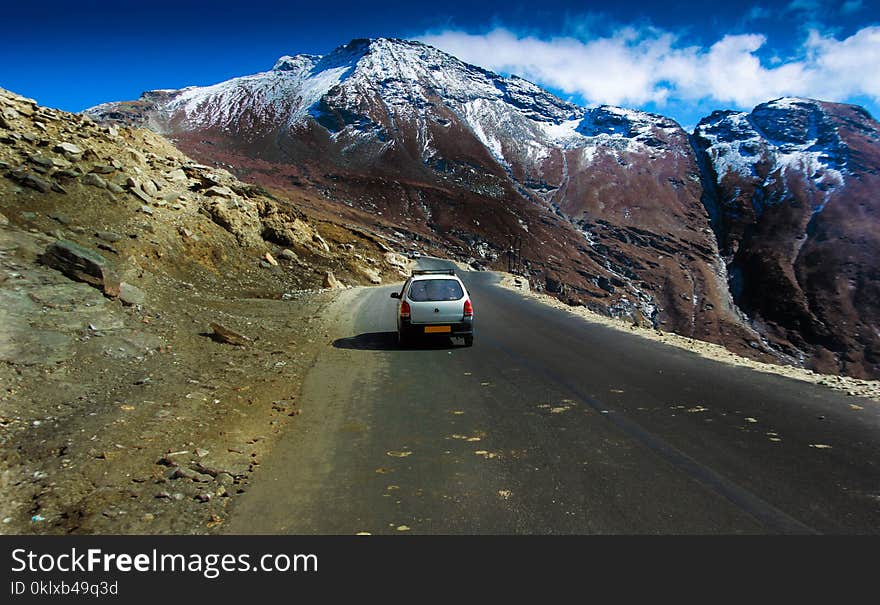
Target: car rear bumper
[463,328]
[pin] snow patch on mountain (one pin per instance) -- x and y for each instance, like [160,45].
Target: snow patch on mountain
[784,136]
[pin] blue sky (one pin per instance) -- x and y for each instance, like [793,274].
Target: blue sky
[674,57]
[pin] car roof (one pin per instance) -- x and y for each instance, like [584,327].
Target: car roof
[442,274]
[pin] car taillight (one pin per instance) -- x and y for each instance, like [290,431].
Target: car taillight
[404,309]
[468,309]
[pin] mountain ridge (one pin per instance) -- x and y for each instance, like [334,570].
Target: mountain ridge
[620,210]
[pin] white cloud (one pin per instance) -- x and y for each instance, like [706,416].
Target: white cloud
[640,66]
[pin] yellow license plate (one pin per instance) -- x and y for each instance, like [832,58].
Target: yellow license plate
[438,329]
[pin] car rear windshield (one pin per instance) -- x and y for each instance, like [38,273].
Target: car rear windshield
[435,290]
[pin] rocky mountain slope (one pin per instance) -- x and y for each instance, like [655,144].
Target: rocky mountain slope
[156,316]
[792,191]
[606,202]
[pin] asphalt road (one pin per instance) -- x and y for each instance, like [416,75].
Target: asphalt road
[552,425]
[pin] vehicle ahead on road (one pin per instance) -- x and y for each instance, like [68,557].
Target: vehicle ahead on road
[415,254]
[434,303]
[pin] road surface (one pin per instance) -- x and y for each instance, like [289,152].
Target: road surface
[552,425]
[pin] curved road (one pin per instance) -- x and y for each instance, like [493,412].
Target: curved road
[550,424]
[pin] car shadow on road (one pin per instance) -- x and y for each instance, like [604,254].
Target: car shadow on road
[387,341]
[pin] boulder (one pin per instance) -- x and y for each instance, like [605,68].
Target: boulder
[78,263]
[29,179]
[239,219]
[108,236]
[68,149]
[125,292]
[150,188]
[94,180]
[220,191]
[138,192]
[41,160]
[176,176]
[331,282]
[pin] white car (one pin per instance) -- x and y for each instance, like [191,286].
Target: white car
[415,254]
[434,303]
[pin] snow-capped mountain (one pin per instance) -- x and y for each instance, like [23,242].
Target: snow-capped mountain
[793,199]
[610,203]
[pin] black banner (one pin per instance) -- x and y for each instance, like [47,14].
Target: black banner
[225,568]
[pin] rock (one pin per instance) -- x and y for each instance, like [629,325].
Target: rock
[145,209]
[289,255]
[41,160]
[224,479]
[111,186]
[270,259]
[228,336]
[68,149]
[176,176]
[68,173]
[108,236]
[102,169]
[331,282]
[136,156]
[320,241]
[220,191]
[240,219]
[78,263]
[370,273]
[94,180]
[29,179]
[131,295]
[180,472]
[3,220]
[27,107]
[143,197]
[10,113]
[150,188]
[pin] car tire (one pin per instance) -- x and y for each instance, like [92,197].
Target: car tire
[469,340]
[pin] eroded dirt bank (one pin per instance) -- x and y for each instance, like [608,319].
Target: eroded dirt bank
[124,420]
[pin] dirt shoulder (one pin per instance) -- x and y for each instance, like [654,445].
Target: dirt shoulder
[868,389]
[138,419]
